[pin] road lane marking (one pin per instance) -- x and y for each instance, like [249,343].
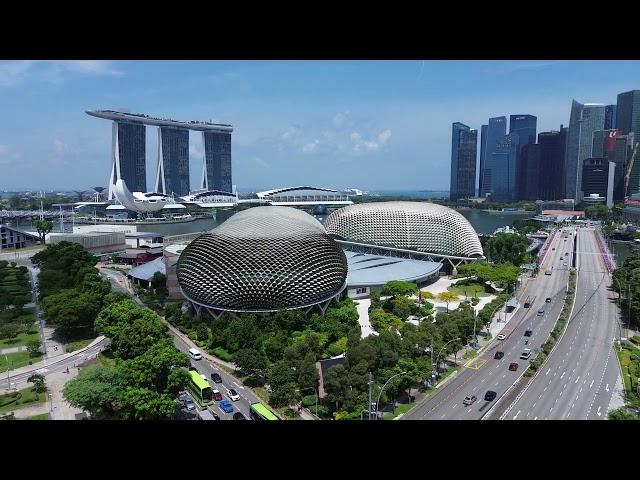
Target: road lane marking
[598,412]
[548,371]
[591,383]
[454,406]
[535,418]
[607,387]
[516,415]
[562,375]
[577,379]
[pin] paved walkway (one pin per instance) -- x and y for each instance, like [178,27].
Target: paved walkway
[363,317]
[56,406]
[23,348]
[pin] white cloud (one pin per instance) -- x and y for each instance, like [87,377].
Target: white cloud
[13,72]
[260,162]
[340,118]
[291,134]
[90,67]
[360,145]
[310,147]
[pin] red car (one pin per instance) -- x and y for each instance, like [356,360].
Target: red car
[513,366]
[217,396]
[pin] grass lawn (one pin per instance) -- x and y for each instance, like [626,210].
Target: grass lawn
[262,393]
[470,354]
[22,339]
[44,416]
[629,372]
[22,398]
[400,409]
[473,290]
[16,360]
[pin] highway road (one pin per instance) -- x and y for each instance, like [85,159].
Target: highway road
[486,373]
[577,379]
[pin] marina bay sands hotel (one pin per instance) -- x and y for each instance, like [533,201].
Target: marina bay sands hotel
[128,153]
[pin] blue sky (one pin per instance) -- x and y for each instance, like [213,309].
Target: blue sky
[365,124]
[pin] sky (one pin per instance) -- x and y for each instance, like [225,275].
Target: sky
[373,125]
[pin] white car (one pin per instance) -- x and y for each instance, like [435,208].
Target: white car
[501,336]
[233,395]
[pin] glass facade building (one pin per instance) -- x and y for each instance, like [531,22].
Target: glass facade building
[483,152]
[552,150]
[131,145]
[628,121]
[217,161]
[598,178]
[585,119]
[610,117]
[173,161]
[503,169]
[464,147]
[529,170]
[496,129]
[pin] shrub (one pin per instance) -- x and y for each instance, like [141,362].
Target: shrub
[222,354]
[475,301]
[309,400]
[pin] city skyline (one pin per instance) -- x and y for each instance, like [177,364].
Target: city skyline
[330,123]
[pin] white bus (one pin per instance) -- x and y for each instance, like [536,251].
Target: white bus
[195,354]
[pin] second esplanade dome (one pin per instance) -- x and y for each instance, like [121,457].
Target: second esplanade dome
[263,259]
[421,226]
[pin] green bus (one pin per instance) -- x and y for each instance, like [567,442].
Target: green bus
[200,389]
[258,411]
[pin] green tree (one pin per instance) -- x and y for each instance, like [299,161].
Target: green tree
[251,361]
[72,311]
[399,287]
[159,282]
[506,247]
[9,330]
[338,347]
[403,307]
[382,321]
[38,382]
[33,347]
[43,227]
[622,414]
[448,297]
[597,212]
[282,383]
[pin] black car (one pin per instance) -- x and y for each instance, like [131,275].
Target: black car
[548,300]
[528,333]
[498,355]
[215,416]
[239,416]
[216,378]
[490,395]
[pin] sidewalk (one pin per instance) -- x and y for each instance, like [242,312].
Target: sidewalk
[56,406]
[23,348]
[363,317]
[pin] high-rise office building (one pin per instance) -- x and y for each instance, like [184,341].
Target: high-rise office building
[584,121]
[610,117]
[524,126]
[496,129]
[129,156]
[483,152]
[464,146]
[552,176]
[529,172]
[503,169]
[628,120]
[622,151]
[598,179]
[173,161]
[216,172]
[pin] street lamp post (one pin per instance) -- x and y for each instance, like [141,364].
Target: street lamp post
[382,390]
[438,356]
[315,392]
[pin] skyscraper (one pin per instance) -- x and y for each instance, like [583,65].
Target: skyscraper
[610,117]
[529,172]
[622,152]
[524,126]
[464,147]
[216,172]
[598,178]
[129,156]
[483,153]
[496,129]
[628,120]
[503,169]
[552,175]
[584,121]
[173,161]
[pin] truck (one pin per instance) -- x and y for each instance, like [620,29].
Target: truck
[529,301]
